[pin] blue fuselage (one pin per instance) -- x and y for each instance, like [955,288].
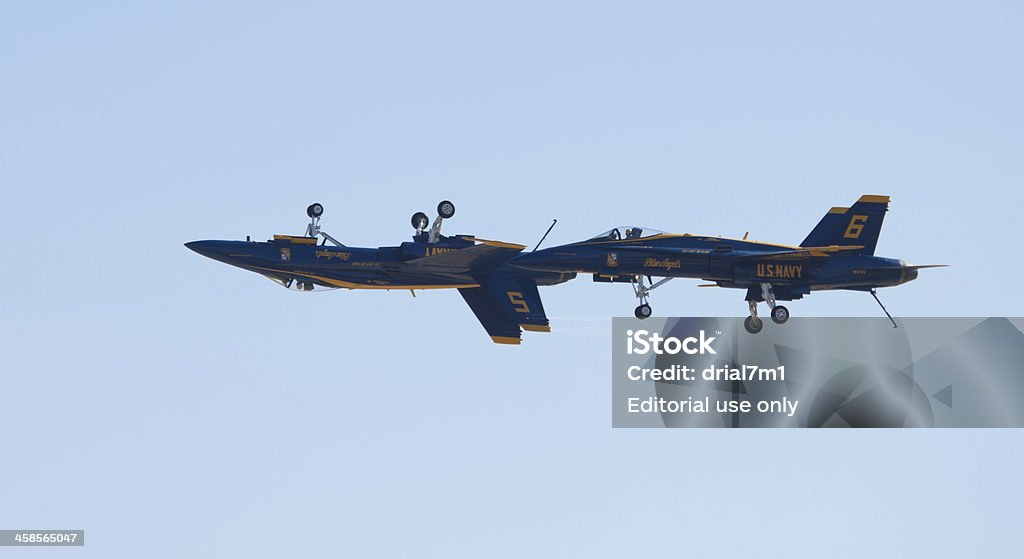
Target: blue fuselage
[301,263]
[726,262]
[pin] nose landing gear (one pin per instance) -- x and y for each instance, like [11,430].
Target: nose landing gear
[643,292]
[315,211]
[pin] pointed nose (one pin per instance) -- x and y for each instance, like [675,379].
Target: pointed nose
[223,251]
[205,248]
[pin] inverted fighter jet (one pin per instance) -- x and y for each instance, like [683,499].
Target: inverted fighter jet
[504,299]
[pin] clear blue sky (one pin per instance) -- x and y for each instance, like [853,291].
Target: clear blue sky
[149,393]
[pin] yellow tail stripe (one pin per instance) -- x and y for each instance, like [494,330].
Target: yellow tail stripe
[536,327]
[874,198]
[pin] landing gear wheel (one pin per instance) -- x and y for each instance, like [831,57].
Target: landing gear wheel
[643,311]
[446,209]
[753,324]
[780,314]
[315,210]
[420,221]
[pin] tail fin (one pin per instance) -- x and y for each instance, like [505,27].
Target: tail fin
[858,225]
[505,305]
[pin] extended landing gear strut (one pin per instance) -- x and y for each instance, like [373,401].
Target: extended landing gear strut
[752,323]
[642,292]
[779,313]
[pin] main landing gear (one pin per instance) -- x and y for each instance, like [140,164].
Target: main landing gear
[642,292]
[779,313]
[420,221]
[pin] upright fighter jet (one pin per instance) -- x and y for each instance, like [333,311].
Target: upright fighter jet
[837,254]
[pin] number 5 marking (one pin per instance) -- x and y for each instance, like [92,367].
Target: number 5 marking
[518,302]
[856,226]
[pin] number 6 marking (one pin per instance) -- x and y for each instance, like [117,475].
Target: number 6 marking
[856,226]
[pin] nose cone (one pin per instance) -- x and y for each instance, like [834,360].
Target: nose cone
[223,251]
[206,248]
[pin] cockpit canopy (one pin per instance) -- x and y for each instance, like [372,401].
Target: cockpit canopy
[626,232]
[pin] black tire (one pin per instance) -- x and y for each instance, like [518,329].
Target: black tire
[753,325]
[420,221]
[315,210]
[780,314]
[446,209]
[643,311]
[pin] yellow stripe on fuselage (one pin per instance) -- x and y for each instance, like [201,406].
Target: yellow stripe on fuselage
[351,285]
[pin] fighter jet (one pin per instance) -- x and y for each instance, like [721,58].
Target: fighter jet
[504,299]
[837,254]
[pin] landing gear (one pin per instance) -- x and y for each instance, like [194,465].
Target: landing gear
[779,314]
[420,221]
[752,323]
[768,295]
[643,292]
[446,209]
[314,211]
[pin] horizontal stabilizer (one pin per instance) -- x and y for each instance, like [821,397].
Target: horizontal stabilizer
[502,244]
[904,267]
